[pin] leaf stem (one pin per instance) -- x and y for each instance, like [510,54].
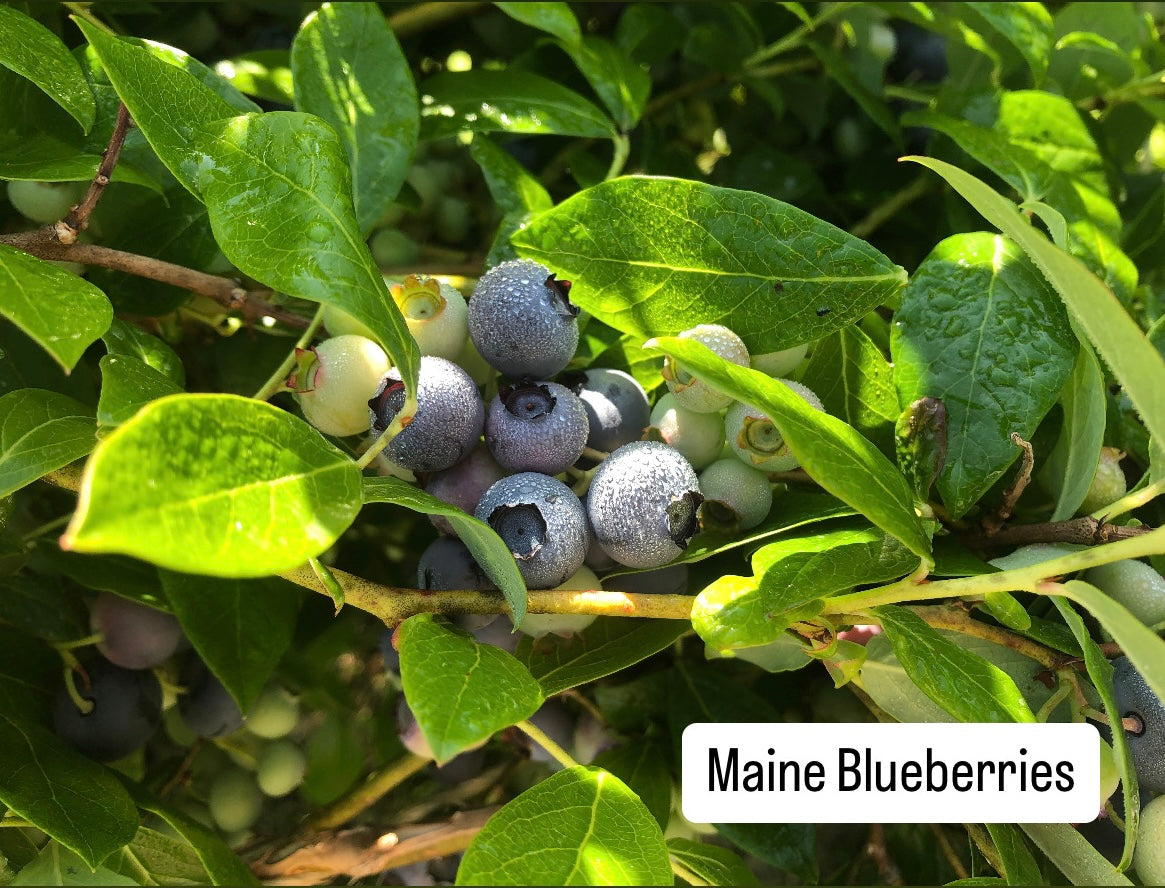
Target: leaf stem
[402,419]
[891,207]
[622,148]
[795,37]
[556,752]
[81,10]
[426,15]
[277,382]
[47,527]
[376,787]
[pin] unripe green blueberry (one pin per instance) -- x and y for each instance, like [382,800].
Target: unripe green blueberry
[883,43]
[755,438]
[743,489]
[452,218]
[478,368]
[274,714]
[1135,585]
[339,323]
[392,248]
[1149,857]
[780,363]
[43,201]
[435,313]
[691,393]
[280,768]
[234,800]
[698,437]
[1108,484]
[334,382]
[537,625]
[850,139]
[459,61]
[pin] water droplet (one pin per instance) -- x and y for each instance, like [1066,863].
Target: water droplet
[318,232]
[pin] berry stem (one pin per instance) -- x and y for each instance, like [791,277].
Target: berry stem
[1062,693]
[402,419]
[368,793]
[555,751]
[277,381]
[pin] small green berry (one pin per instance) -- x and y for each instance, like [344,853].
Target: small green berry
[1135,585]
[274,714]
[334,382]
[234,800]
[1149,858]
[537,625]
[756,440]
[435,313]
[280,768]
[1108,484]
[691,393]
[43,201]
[698,437]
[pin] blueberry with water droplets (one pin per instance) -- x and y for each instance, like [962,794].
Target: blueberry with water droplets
[1135,698]
[447,423]
[643,503]
[536,427]
[447,564]
[616,405]
[543,524]
[522,321]
[756,440]
[127,709]
[743,490]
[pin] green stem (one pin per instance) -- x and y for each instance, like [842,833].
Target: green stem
[369,793]
[81,10]
[556,752]
[891,207]
[47,527]
[398,423]
[622,149]
[797,36]
[96,638]
[1131,501]
[1062,693]
[277,382]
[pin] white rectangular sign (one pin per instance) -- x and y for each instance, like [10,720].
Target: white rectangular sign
[891,773]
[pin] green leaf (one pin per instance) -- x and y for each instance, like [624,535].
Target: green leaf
[833,453]
[126,577]
[791,578]
[33,51]
[964,684]
[655,256]
[581,826]
[487,548]
[981,330]
[461,692]
[240,628]
[43,607]
[553,18]
[154,858]
[40,432]
[62,312]
[217,485]
[1073,855]
[335,759]
[264,73]
[508,101]
[855,383]
[608,645]
[621,84]
[1019,866]
[513,187]
[1077,452]
[263,169]
[787,846]
[78,802]
[126,339]
[1134,361]
[127,385]
[642,765]
[29,672]
[704,692]
[840,70]
[1026,26]
[43,158]
[57,865]
[348,68]
[701,864]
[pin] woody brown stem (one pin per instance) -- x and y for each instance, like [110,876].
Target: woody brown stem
[993,523]
[78,218]
[1085,531]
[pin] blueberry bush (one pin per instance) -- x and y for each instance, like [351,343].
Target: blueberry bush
[777,362]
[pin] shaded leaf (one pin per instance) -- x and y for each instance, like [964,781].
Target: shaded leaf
[1074,460]
[57,865]
[40,432]
[703,864]
[1026,26]
[553,18]
[127,385]
[642,765]
[33,51]
[125,339]
[621,84]
[1073,855]
[43,158]
[787,846]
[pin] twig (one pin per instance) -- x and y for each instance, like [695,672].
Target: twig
[992,523]
[78,217]
[891,207]
[368,793]
[956,618]
[876,850]
[952,858]
[426,15]
[1085,531]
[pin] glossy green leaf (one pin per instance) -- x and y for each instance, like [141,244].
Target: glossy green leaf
[127,577]
[1073,855]
[508,101]
[487,547]
[125,339]
[705,692]
[1076,455]
[581,826]
[964,684]
[621,84]
[154,858]
[1026,26]
[605,647]
[514,188]
[787,846]
[57,865]
[643,766]
[1019,866]
[127,385]
[791,579]
[220,617]
[260,170]
[698,863]
[833,453]
[217,485]
[348,68]
[981,330]
[1008,611]
[553,18]
[62,312]
[40,432]
[655,256]
[461,692]
[855,382]
[33,51]
[1134,361]
[43,158]
[75,800]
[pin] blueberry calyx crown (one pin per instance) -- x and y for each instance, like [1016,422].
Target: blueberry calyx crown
[561,289]
[302,378]
[387,403]
[683,517]
[527,400]
[761,436]
[521,527]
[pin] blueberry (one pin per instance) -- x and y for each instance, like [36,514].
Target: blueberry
[280,768]
[435,313]
[699,437]
[616,405]
[334,380]
[536,427]
[132,635]
[207,707]
[780,363]
[522,321]
[463,484]
[274,715]
[542,522]
[43,201]
[745,491]
[756,440]
[1149,859]
[642,504]
[127,709]
[1135,585]
[691,393]
[1108,483]
[1135,698]
[447,564]
[447,423]
[234,800]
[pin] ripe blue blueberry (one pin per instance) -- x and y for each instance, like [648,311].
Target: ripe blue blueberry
[756,440]
[536,427]
[642,504]
[692,393]
[1135,698]
[447,564]
[522,321]
[542,522]
[447,423]
[616,405]
[463,484]
[127,709]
